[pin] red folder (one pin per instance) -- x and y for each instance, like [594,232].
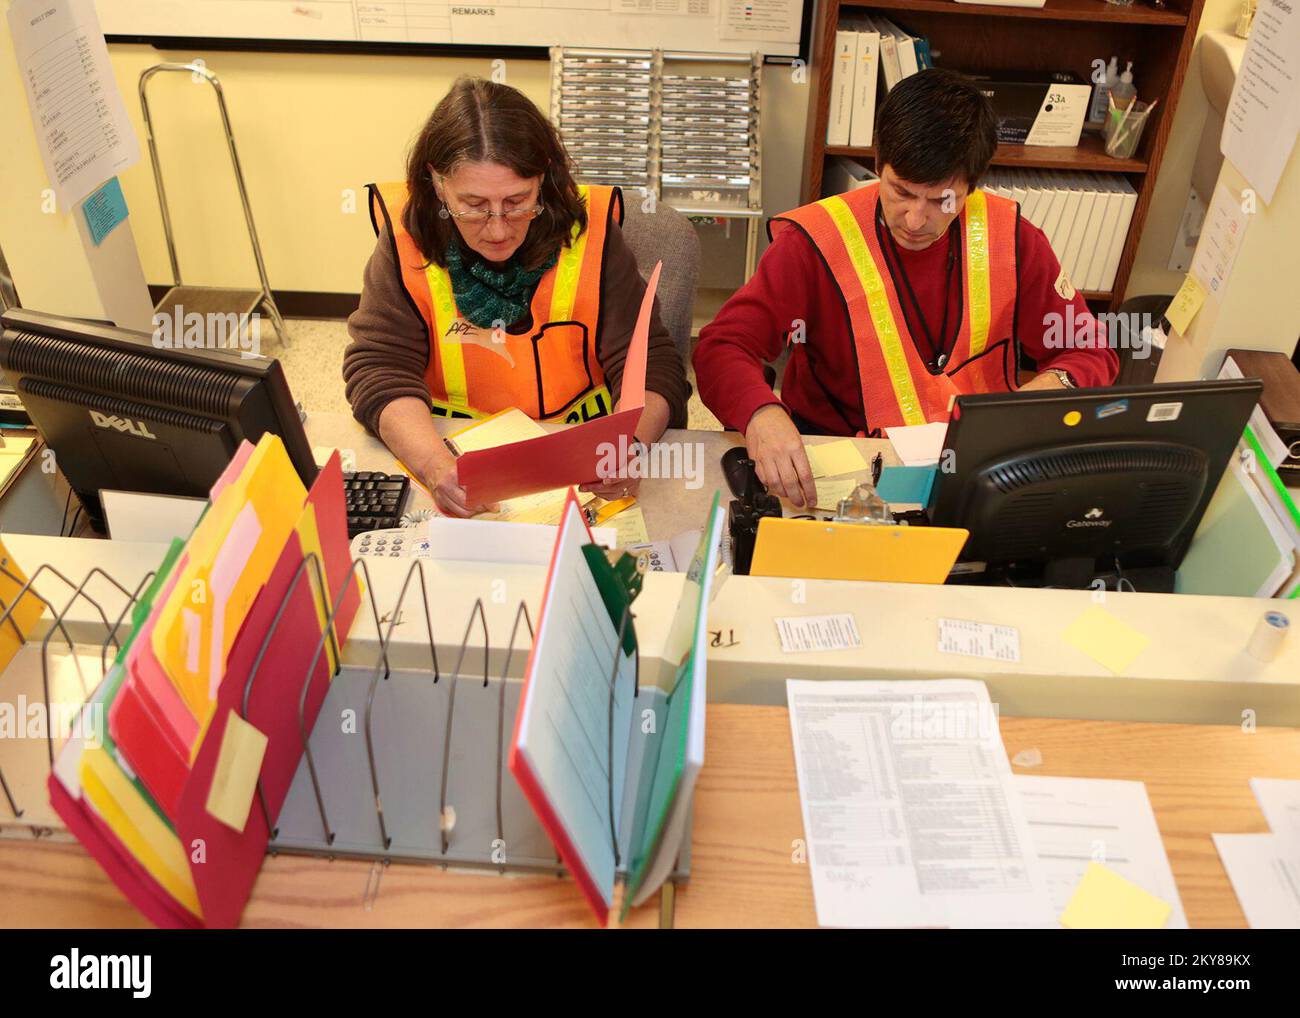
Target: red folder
[571,455]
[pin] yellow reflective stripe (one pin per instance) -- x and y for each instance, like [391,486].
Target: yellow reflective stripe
[451,355]
[597,403]
[891,344]
[977,269]
[568,269]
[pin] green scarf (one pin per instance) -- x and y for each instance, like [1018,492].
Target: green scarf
[485,295]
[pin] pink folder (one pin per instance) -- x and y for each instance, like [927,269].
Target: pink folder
[570,455]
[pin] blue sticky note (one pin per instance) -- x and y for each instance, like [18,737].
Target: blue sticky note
[104,210]
[906,484]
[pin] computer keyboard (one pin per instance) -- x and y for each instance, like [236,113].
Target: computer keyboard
[374,500]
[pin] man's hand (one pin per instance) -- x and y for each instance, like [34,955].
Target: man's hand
[1043,380]
[776,448]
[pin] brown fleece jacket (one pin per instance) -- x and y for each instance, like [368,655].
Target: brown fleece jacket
[389,351]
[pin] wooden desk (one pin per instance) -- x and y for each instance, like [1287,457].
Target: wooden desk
[747,818]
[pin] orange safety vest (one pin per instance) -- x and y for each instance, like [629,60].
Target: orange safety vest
[843,228]
[551,372]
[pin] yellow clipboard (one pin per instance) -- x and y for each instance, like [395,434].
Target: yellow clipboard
[814,550]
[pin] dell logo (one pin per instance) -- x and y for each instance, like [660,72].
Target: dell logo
[136,428]
[1093,514]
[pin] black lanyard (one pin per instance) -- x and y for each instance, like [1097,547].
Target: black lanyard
[938,351]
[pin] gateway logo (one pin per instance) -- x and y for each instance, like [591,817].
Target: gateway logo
[136,428]
[102,972]
[1092,518]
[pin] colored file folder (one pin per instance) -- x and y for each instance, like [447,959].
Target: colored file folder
[572,455]
[140,798]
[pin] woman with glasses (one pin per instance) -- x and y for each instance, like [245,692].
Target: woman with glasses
[497,282]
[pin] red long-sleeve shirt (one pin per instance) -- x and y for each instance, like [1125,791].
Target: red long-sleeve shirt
[821,384]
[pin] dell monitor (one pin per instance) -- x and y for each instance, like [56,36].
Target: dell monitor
[121,412]
[1068,487]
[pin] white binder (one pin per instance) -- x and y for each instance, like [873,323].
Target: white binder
[841,111]
[867,72]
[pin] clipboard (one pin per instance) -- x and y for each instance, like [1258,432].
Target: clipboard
[816,550]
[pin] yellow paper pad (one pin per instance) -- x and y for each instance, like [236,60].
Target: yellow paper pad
[833,458]
[630,527]
[508,426]
[234,781]
[1186,303]
[1106,901]
[13,453]
[1106,639]
[25,614]
[813,550]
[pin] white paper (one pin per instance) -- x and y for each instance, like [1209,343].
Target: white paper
[909,812]
[495,541]
[979,639]
[1274,448]
[1259,129]
[1221,236]
[81,125]
[818,632]
[1075,821]
[140,516]
[919,445]
[1279,801]
[1265,874]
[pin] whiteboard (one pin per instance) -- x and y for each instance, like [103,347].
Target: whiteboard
[770,27]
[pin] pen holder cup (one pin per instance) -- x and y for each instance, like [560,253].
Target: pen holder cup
[1123,128]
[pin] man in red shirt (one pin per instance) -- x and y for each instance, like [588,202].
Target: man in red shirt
[896,297]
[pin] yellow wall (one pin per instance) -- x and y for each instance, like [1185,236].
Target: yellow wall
[309,127]
[1151,274]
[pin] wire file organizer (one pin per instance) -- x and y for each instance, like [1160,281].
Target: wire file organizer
[25,761]
[400,765]
[410,765]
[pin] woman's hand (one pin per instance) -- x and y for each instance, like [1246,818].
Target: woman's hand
[448,495]
[622,481]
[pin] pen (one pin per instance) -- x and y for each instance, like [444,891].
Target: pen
[877,463]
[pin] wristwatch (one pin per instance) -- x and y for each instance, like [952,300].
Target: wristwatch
[1063,376]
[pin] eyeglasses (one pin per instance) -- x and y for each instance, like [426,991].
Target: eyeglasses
[480,217]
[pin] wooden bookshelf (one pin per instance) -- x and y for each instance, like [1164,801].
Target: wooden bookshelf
[1064,35]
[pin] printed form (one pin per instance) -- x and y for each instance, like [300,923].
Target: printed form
[909,811]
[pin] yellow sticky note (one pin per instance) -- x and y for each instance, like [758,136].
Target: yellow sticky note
[829,492]
[1106,901]
[833,458]
[1106,639]
[234,781]
[1187,301]
[630,527]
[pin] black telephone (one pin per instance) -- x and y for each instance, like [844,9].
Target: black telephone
[751,504]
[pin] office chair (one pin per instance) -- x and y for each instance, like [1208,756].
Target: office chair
[666,235]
